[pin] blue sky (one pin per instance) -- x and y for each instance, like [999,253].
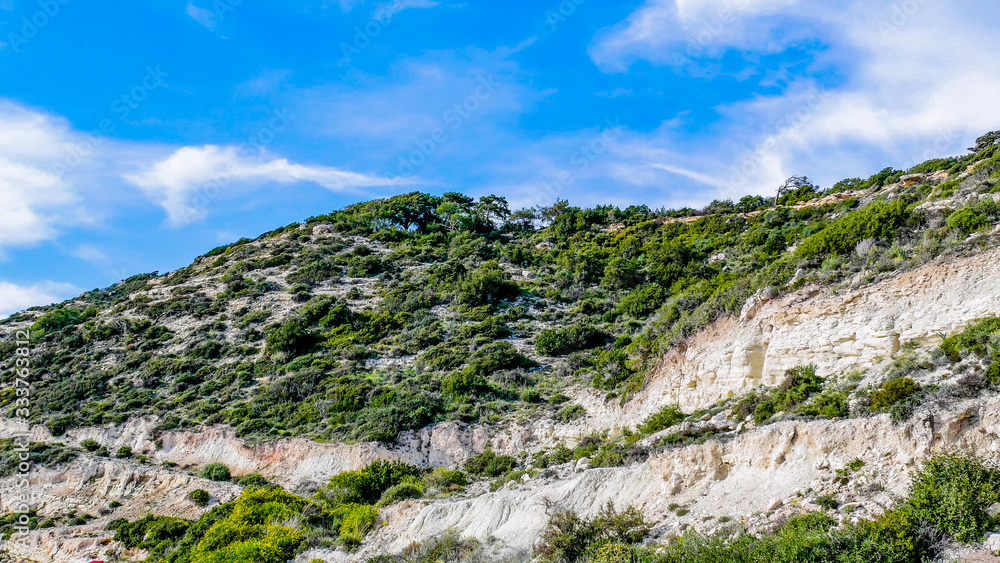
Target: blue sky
[136,136]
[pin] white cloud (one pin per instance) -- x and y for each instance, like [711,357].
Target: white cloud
[37,201]
[201,15]
[187,180]
[14,298]
[908,94]
[90,254]
[675,31]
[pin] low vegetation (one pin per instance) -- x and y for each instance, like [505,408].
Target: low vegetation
[420,308]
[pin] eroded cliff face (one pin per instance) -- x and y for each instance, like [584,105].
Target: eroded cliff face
[838,332]
[754,475]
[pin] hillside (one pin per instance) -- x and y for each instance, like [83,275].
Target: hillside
[821,371]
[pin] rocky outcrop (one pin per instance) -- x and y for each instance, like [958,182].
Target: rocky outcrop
[756,478]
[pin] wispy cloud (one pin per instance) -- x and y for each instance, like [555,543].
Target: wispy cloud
[893,106]
[201,15]
[90,254]
[672,31]
[176,182]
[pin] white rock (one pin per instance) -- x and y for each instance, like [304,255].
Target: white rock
[583,464]
[774,504]
[994,509]
[993,542]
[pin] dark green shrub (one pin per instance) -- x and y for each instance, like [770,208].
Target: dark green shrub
[558,399]
[800,384]
[952,493]
[216,472]
[569,538]
[488,285]
[199,497]
[556,342]
[293,337]
[253,480]
[464,382]
[149,532]
[60,318]
[642,301]
[124,451]
[490,464]
[445,478]
[878,221]
[893,392]
[894,537]
[828,404]
[90,445]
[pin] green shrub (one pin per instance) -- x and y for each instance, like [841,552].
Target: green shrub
[404,491]
[447,479]
[878,221]
[570,413]
[358,520]
[893,537]
[149,532]
[90,445]
[569,538]
[216,472]
[490,464]
[642,301]
[293,337]
[828,404]
[253,480]
[61,317]
[967,220]
[665,418]
[799,385]
[488,285]
[366,485]
[199,497]
[124,451]
[952,493]
[252,530]
[556,342]
[978,338]
[558,399]
[893,392]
